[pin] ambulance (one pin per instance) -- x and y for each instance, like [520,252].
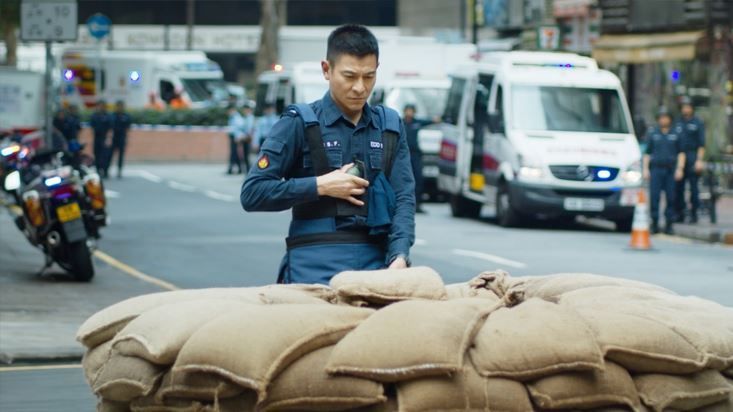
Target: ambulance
[133,76]
[537,134]
[281,86]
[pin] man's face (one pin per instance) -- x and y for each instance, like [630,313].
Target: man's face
[687,110]
[409,113]
[664,121]
[351,80]
[120,107]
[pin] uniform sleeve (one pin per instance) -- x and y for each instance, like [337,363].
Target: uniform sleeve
[649,143]
[268,186]
[402,231]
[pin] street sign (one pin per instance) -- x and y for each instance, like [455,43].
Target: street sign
[99,26]
[548,37]
[48,20]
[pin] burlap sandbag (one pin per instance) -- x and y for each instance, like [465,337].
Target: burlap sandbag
[555,285]
[728,373]
[465,290]
[640,344]
[251,346]
[94,359]
[462,391]
[158,334]
[706,325]
[104,325]
[409,339]
[389,285]
[199,386]
[535,339]
[724,406]
[305,386]
[297,293]
[123,378]
[241,403]
[682,393]
[104,405]
[609,387]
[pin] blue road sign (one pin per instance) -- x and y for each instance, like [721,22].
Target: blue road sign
[99,25]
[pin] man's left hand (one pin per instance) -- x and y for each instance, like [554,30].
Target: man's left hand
[399,263]
[699,166]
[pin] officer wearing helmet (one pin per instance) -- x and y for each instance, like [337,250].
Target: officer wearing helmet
[343,167]
[693,144]
[664,163]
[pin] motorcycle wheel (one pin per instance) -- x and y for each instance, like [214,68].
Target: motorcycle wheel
[80,262]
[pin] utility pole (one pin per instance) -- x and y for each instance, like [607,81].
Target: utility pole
[190,11]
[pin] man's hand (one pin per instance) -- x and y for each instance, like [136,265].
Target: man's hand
[679,174]
[399,263]
[699,166]
[342,185]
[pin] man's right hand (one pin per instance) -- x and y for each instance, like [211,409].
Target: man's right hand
[342,185]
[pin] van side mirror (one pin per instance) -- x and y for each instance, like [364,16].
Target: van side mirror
[496,123]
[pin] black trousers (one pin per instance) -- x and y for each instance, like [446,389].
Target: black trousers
[416,161]
[234,155]
[101,155]
[118,147]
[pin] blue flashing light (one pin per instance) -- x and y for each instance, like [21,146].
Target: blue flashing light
[675,75]
[68,75]
[135,76]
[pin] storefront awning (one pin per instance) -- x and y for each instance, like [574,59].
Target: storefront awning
[646,48]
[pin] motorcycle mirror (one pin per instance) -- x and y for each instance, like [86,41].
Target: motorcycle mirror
[12,181]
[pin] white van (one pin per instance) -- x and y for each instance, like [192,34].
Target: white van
[539,134]
[303,83]
[133,75]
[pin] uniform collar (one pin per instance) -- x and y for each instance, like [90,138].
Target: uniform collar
[332,113]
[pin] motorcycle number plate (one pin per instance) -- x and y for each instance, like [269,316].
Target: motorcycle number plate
[68,212]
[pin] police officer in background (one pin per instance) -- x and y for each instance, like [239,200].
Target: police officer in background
[101,123]
[121,122]
[693,144]
[343,166]
[412,127]
[664,163]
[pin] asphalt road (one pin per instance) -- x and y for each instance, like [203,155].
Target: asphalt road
[183,224]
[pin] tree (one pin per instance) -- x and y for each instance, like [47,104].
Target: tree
[272,16]
[9,22]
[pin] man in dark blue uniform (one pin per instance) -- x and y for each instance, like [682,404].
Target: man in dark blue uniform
[412,127]
[121,122]
[663,165]
[693,144]
[101,124]
[343,167]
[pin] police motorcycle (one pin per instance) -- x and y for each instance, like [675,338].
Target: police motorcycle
[63,206]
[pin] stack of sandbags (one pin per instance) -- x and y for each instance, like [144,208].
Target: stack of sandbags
[401,340]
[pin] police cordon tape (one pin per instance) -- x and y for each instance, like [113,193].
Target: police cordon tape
[566,341]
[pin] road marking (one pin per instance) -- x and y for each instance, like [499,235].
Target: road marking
[674,239]
[220,196]
[39,367]
[491,258]
[181,186]
[133,272]
[147,175]
[111,194]
[15,209]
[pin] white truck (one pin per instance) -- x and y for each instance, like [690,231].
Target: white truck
[133,76]
[539,135]
[21,100]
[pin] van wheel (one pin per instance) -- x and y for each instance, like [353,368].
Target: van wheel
[462,207]
[506,216]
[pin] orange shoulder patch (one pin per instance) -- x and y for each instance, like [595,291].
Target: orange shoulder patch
[263,162]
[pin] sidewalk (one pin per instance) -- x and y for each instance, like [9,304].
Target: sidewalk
[39,316]
[721,232]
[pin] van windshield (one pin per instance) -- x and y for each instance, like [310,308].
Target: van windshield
[570,109]
[429,102]
[198,89]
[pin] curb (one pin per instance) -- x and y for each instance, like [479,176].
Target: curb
[724,236]
[35,359]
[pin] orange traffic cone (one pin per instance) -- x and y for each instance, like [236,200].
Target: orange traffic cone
[640,239]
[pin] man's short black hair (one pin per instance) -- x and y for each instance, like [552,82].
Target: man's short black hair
[352,39]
